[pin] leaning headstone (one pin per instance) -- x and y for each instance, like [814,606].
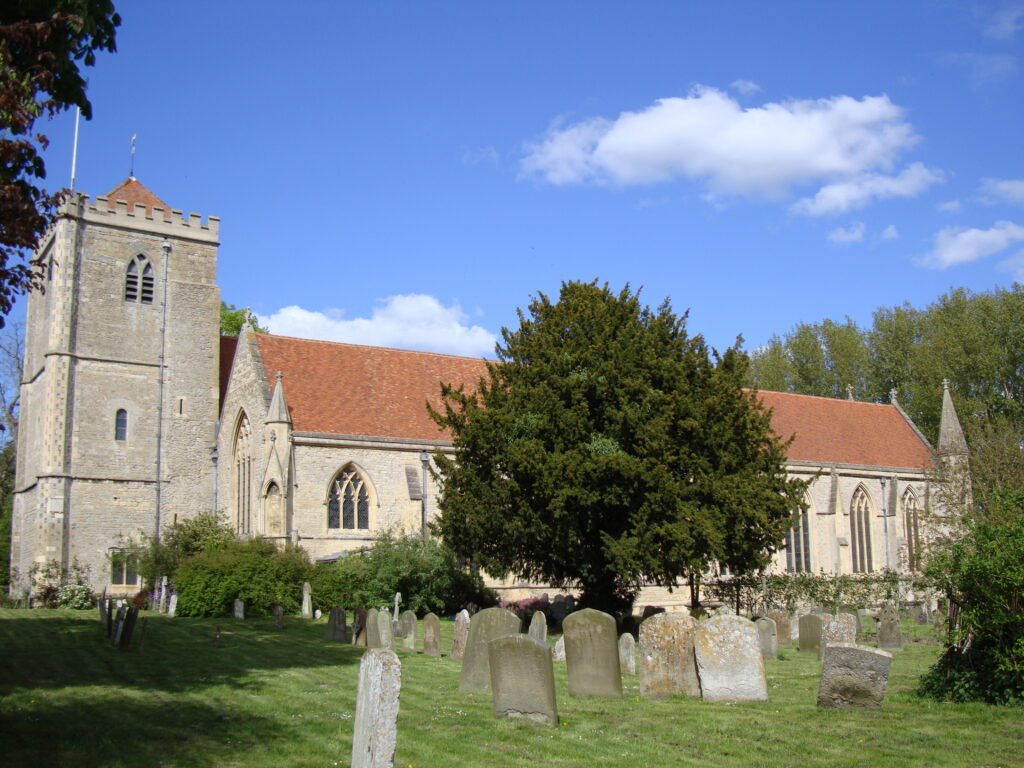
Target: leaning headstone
[767,635]
[539,627]
[783,631]
[384,630]
[667,665]
[810,632]
[853,676]
[172,605]
[431,635]
[461,634]
[110,619]
[522,679]
[490,624]
[627,653]
[408,622]
[163,594]
[372,629]
[127,628]
[729,660]
[238,611]
[889,628]
[115,633]
[278,613]
[359,627]
[336,629]
[307,601]
[841,628]
[558,652]
[375,730]
[592,654]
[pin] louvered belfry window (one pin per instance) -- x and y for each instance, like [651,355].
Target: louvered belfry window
[139,282]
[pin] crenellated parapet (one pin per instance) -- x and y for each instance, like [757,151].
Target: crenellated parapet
[155,219]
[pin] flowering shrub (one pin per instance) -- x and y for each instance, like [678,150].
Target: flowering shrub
[77,596]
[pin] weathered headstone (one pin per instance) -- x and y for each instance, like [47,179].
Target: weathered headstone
[853,676]
[110,619]
[783,625]
[238,610]
[627,653]
[125,638]
[336,629]
[522,679]
[539,628]
[172,605]
[115,634]
[317,614]
[375,730]
[431,635]
[277,611]
[307,601]
[592,654]
[372,629]
[384,633]
[359,626]
[398,603]
[923,613]
[163,594]
[408,622]
[667,664]
[558,652]
[841,628]
[485,626]
[889,628]
[729,661]
[103,611]
[461,634]
[810,632]
[767,635]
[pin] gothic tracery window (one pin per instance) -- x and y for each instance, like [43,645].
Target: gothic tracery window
[798,543]
[348,506]
[139,281]
[912,529]
[242,471]
[860,531]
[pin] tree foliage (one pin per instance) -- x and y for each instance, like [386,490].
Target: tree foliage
[607,448]
[206,532]
[42,43]
[232,319]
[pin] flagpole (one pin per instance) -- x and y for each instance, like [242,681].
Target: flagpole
[74,148]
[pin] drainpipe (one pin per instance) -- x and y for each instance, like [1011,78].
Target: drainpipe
[885,522]
[425,462]
[166,248]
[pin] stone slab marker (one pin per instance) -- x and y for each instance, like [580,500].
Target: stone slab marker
[384,630]
[431,635]
[127,628]
[853,676]
[783,625]
[837,629]
[558,652]
[810,633]
[336,629]
[667,664]
[729,660]
[307,601]
[485,626]
[627,654]
[163,594]
[278,613]
[375,728]
[889,628]
[461,634]
[238,611]
[592,654]
[767,635]
[115,632]
[522,679]
[172,606]
[539,627]
[408,622]
[359,626]
[372,629]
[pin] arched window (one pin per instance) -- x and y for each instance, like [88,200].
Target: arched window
[138,282]
[348,506]
[798,543]
[121,425]
[913,532]
[860,531]
[242,471]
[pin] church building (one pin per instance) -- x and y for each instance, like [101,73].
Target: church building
[136,413]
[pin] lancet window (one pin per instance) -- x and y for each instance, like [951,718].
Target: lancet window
[242,471]
[798,543]
[860,531]
[912,529]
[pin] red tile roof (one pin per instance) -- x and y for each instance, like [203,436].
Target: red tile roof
[134,192]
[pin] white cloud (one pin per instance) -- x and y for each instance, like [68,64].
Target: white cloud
[1003,190]
[955,245]
[857,192]
[846,235]
[891,233]
[951,206]
[983,68]
[412,321]
[1015,266]
[1005,23]
[745,87]
[708,136]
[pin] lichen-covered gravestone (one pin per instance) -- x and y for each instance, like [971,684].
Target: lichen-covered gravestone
[522,679]
[783,625]
[810,632]
[239,610]
[372,629]
[837,629]
[384,630]
[539,628]
[592,654]
[667,664]
[889,628]
[307,601]
[853,676]
[485,626]
[627,653]
[336,629]
[558,652]
[461,634]
[768,636]
[431,635]
[729,661]
[408,622]
[375,730]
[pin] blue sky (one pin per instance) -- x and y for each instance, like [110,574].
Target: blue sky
[409,174]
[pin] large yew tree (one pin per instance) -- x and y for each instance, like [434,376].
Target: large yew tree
[607,448]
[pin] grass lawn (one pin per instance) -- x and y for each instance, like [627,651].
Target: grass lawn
[259,697]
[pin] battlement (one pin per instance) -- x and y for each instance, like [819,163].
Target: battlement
[173,223]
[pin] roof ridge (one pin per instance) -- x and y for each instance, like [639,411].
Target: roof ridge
[820,397]
[373,346]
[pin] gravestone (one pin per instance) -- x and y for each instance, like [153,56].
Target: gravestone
[172,605]
[336,628]
[307,601]
[539,628]
[431,635]
[384,633]
[856,619]
[103,612]
[767,635]
[278,613]
[783,625]
[163,594]
[592,654]
[372,629]
[127,627]
[853,676]
[408,622]
[810,632]
[889,628]
[939,623]
[922,613]
[651,610]
[667,664]
[490,624]
[375,727]
[627,653]
[729,661]
[558,652]
[317,614]
[115,633]
[238,611]
[398,602]
[522,679]
[461,634]
[359,627]
[841,628]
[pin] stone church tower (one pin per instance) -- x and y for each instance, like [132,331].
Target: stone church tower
[120,390]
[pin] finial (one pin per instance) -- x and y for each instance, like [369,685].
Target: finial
[131,165]
[892,395]
[279,377]
[849,391]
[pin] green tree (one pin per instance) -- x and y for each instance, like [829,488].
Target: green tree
[586,457]
[206,532]
[42,43]
[232,319]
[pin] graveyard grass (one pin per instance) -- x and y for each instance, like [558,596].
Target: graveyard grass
[261,697]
